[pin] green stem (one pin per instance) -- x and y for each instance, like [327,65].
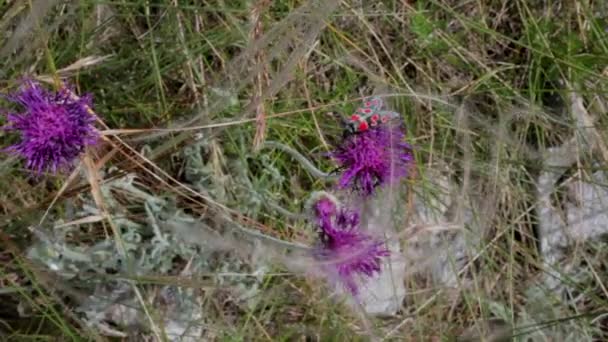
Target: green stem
[307,164]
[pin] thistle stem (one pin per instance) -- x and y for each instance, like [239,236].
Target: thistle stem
[307,164]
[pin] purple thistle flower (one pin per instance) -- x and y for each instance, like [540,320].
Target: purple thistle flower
[347,254]
[54,127]
[373,158]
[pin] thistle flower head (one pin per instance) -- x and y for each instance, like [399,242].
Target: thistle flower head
[373,158]
[346,253]
[54,127]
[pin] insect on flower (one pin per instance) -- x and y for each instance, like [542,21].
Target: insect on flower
[373,158]
[369,115]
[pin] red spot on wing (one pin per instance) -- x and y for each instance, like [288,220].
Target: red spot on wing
[363,126]
[367,110]
[374,120]
[367,104]
[355,117]
[385,118]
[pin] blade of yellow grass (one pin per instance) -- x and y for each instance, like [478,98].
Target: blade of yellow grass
[80,64]
[88,219]
[60,192]
[94,181]
[261,79]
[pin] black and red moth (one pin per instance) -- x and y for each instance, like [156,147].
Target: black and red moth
[369,115]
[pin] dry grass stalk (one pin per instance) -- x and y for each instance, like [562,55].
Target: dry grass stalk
[261,78]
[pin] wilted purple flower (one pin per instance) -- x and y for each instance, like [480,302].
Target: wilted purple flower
[324,210]
[373,158]
[347,254]
[54,127]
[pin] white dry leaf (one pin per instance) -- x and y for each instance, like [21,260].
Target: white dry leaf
[582,214]
[583,217]
[384,294]
[587,214]
[184,331]
[579,216]
[550,223]
[442,245]
[183,318]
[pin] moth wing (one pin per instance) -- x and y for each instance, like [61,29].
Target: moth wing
[373,103]
[388,114]
[365,112]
